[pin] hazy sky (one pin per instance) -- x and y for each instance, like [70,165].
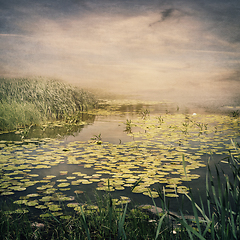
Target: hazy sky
[174,49]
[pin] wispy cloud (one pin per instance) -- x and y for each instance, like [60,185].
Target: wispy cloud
[176,48]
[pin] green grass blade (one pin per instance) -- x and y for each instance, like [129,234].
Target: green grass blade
[213,227]
[208,194]
[85,224]
[196,214]
[217,203]
[54,217]
[149,190]
[195,205]
[202,209]
[219,186]
[188,228]
[136,184]
[207,228]
[160,224]
[161,198]
[185,222]
[164,200]
[110,212]
[232,223]
[121,231]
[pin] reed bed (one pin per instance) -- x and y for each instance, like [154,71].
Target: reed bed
[30,101]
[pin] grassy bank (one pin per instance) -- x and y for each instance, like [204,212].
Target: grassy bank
[108,218]
[26,102]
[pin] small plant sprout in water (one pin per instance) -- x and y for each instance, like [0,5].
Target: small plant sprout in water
[185,125]
[129,125]
[235,114]
[145,113]
[97,139]
[202,126]
[160,120]
[167,111]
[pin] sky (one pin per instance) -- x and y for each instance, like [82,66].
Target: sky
[179,50]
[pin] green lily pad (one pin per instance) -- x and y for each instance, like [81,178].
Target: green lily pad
[42,166]
[50,176]
[45,215]
[62,185]
[45,199]
[50,190]
[75,182]
[7,193]
[65,189]
[71,177]
[72,205]
[40,206]
[33,175]
[86,182]
[61,180]
[23,211]
[171,195]
[32,203]
[67,217]
[23,201]
[54,208]
[33,195]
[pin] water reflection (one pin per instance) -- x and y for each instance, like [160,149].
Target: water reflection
[51,130]
[151,151]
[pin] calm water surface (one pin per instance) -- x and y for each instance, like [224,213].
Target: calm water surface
[56,156]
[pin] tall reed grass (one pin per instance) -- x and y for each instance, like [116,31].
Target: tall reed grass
[30,101]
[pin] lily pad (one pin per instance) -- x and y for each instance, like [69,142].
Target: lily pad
[23,201]
[46,215]
[66,217]
[31,203]
[40,206]
[45,199]
[54,208]
[65,189]
[33,195]
[171,195]
[7,193]
[72,205]
[62,185]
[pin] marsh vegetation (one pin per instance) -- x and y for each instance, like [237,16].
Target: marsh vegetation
[93,177]
[27,102]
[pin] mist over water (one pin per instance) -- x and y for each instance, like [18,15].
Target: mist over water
[182,51]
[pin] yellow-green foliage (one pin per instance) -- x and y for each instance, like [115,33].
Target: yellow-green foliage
[29,101]
[14,115]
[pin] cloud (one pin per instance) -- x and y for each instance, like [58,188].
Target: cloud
[109,44]
[170,13]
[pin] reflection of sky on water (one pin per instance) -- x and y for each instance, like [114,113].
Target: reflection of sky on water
[112,132]
[181,50]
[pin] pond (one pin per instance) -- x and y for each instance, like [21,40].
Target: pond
[48,168]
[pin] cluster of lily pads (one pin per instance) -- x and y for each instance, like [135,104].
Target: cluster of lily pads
[164,150]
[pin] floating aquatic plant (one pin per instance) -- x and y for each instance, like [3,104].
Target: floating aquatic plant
[154,156]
